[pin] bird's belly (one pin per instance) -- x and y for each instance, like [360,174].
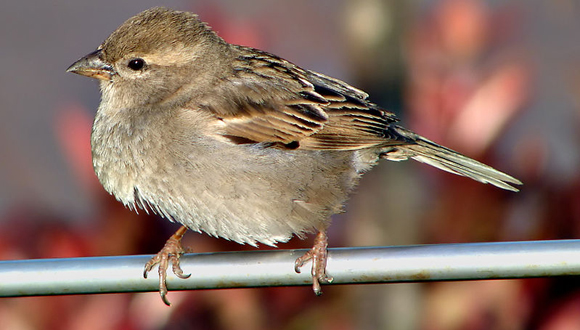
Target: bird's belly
[254,196]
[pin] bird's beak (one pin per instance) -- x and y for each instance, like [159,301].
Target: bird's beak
[92,66]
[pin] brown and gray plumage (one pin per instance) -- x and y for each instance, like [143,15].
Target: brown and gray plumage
[237,142]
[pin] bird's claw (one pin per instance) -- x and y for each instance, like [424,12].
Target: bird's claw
[171,253]
[319,255]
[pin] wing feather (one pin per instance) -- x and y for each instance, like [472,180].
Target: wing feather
[269,99]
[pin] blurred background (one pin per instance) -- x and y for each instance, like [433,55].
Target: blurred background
[496,80]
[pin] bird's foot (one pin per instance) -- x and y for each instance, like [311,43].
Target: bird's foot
[318,254]
[171,252]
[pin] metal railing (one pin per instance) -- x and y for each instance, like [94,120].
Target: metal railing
[473,261]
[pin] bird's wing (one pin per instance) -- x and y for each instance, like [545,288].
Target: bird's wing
[271,100]
[354,122]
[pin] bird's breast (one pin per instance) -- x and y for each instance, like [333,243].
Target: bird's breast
[245,193]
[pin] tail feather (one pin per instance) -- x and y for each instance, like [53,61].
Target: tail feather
[428,152]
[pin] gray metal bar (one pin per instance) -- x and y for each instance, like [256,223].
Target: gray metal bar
[276,268]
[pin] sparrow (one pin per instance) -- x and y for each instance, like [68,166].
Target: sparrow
[237,142]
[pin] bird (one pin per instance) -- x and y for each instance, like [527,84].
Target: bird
[237,142]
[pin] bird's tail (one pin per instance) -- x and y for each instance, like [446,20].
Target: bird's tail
[428,152]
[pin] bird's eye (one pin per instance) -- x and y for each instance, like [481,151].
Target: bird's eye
[136,64]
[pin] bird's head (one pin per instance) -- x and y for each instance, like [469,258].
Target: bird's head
[153,55]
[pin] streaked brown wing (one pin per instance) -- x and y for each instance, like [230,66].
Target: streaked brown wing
[269,99]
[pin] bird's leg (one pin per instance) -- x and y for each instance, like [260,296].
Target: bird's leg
[318,254]
[171,252]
